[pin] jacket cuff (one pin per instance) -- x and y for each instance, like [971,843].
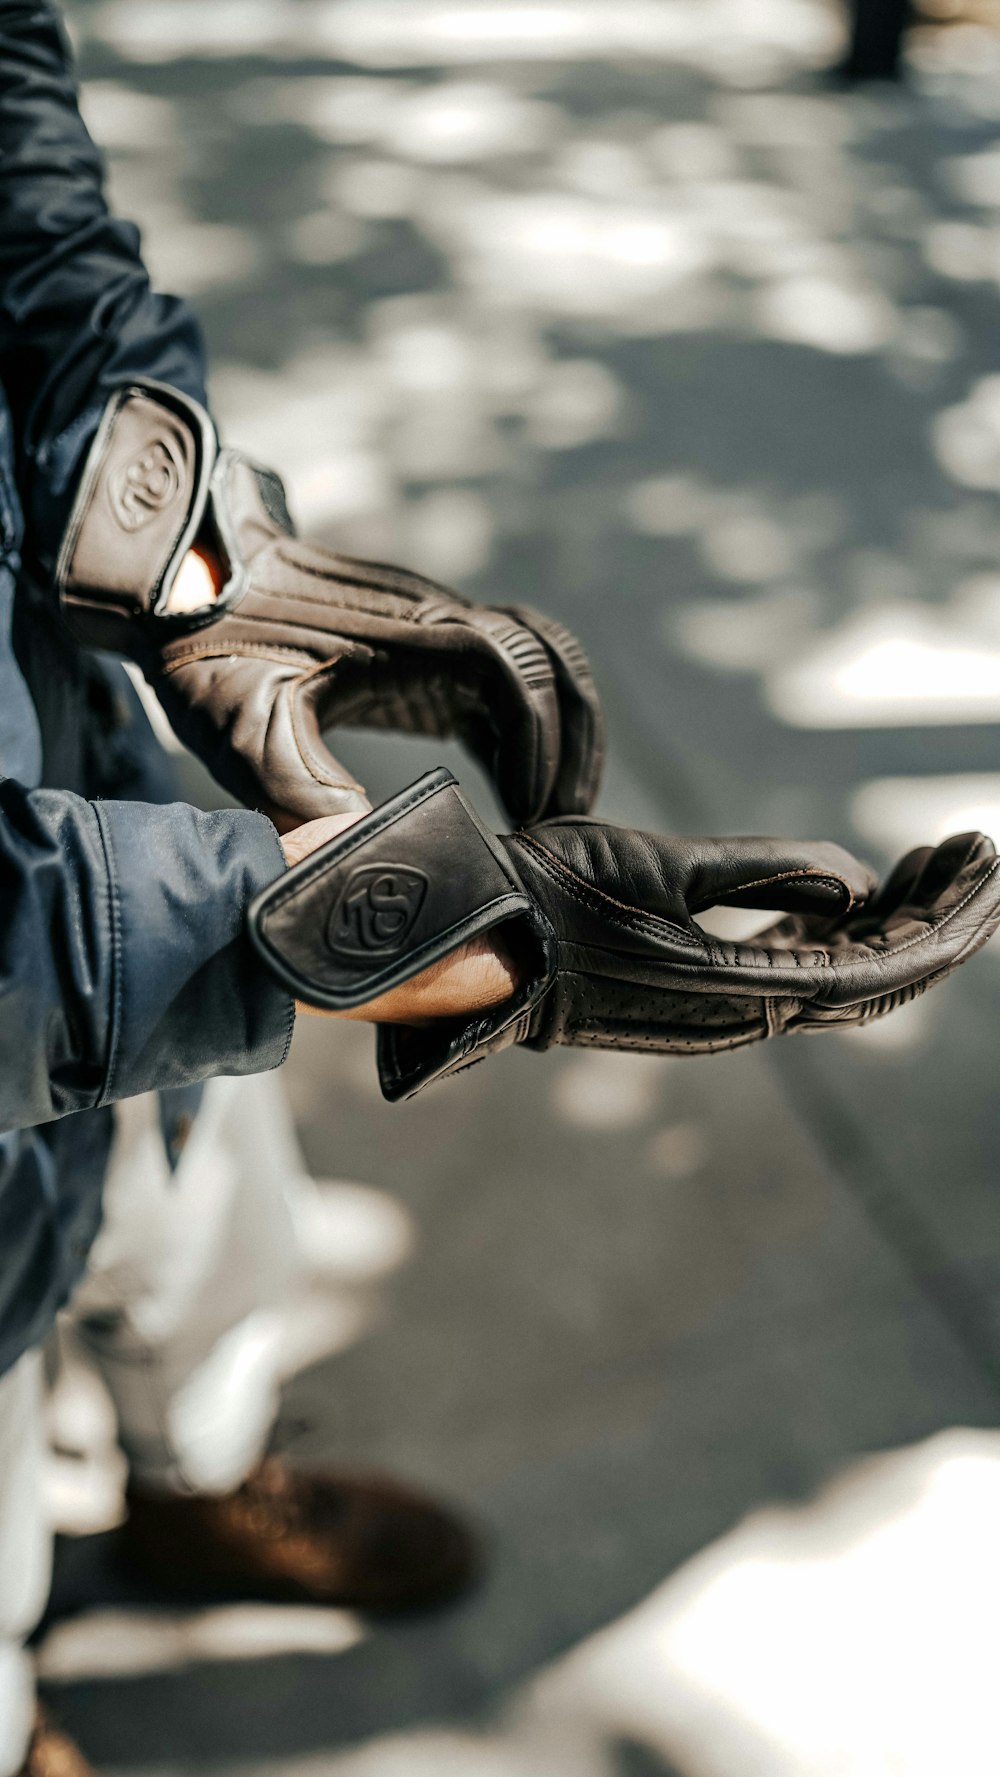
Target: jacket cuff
[191,997]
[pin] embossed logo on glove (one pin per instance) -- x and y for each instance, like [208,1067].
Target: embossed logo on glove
[376,910]
[146,485]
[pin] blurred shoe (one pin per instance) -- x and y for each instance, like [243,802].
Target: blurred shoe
[303,1536]
[52,1755]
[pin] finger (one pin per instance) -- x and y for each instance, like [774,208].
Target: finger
[313,783]
[302,838]
[922,889]
[950,870]
[518,715]
[581,721]
[798,877]
[898,886]
[952,908]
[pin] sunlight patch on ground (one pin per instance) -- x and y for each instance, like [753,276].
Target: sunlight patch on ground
[899,812]
[718,36]
[103,1644]
[748,635]
[760,1656]
[774,36]
[121,119]
[678,1151]
[967,437]
[602,1090]
[901,665]
[832,316]
[848,1636]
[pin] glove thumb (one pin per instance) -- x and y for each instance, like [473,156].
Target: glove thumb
[678,878]
[792,876]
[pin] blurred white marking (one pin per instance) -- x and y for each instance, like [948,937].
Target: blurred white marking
[326,237]
[349,1233]
[469,121]
[423,356]
[376,189]
[575,402]
[125,1643]
[693,151]
[721,36]
[929,335]
[976,178]
[604,169]
[959,250]
[747,546]
[393,33]
[833,317]
[565,253]
[677,1152]
[888,668]
[337,108]
[190,256]
[123,119]
[602,1090]
[449,534]
[669,505]
[849,1637]
[749,635]
[966,438]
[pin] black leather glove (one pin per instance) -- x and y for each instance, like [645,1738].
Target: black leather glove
[601,920]
[301,639]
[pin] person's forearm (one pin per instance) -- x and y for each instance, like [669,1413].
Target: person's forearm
[125,965]
[77,315]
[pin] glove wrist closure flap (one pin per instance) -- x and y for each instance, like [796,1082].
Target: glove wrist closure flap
[143,501]
[402,888]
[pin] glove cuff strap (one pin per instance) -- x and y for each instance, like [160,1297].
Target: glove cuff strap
[141,500]
[405,886]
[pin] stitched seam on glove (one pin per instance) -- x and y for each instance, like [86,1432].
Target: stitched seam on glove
[379,576]
[410,600]
[245,650]
[939,925]
[599,901]
[921,938]
[316,765]
[804,876]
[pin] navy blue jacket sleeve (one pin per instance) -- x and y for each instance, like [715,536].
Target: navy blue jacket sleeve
[124,962]
[77,315]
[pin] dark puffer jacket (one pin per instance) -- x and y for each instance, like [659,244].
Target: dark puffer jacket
[123,964]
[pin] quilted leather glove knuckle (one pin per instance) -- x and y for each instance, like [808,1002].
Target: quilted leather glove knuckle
[396,650]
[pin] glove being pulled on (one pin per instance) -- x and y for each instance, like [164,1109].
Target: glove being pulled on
[602,922]
[301,639]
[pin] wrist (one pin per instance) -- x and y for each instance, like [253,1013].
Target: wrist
[477,977]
